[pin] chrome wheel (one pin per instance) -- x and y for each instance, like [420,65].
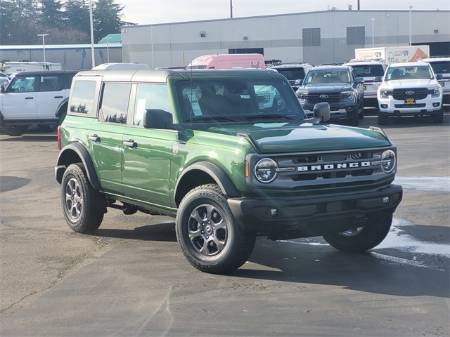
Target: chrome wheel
[74,199]
[208,230]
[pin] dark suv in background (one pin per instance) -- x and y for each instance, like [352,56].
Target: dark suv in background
[336,85]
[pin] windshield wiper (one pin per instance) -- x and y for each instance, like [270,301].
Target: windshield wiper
[271,116]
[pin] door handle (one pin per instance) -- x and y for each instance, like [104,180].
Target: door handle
[58,97]
[29,97]
[94,138]
[130,143]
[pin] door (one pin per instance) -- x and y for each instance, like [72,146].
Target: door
[148,152]
[19,100]
[106,138]
[50,95]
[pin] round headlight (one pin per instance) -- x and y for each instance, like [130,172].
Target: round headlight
[388,161]
[266,170]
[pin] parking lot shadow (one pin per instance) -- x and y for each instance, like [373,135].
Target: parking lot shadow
[158,232]
[375,272]
[30,138]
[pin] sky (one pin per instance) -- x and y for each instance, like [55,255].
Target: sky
[161,11]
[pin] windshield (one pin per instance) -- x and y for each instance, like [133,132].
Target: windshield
[409,73]
[292,73]
[327,76]
[237,99]
[368,70]
[441,67]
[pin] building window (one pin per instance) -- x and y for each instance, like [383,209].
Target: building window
[311,37]
[356,35]
[246,51]
[115,99]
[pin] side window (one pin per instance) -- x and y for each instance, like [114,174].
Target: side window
[82,98]
[49,83]
[150,96]
[65,81]
[24,84]
[114,103]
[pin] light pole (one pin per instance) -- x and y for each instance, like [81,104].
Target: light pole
[43,44]
[373,31]
[410,25]
[91,22]
[231,9]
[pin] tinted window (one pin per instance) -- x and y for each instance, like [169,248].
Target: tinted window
[327,76]
[82,99]
[49,83]
[237,100]
[150,96]
[368,70]
[292,73]
[65,81]
[23,84]
[114,108]
[441,67]
[408,73]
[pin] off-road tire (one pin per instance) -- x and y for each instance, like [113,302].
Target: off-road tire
[371,235]
[238,246]
[93,204]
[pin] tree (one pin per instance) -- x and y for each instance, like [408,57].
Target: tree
[51,13]
[77,15]
[107,18]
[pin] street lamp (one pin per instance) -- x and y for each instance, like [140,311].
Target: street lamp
[43,44]
[410,25]
[91,22]
[373,31]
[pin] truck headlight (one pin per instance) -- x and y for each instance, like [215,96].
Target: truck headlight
[388,161]
[435,92]
[385,93]
[266,170]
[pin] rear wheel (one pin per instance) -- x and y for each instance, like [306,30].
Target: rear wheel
[361,238]
[83,207]
[208,235]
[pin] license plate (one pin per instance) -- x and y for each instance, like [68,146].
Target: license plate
[410,101]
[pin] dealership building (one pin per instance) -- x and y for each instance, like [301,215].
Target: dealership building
[313,37]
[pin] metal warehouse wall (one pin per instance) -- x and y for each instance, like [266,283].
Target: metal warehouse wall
[175,44]
[70,58]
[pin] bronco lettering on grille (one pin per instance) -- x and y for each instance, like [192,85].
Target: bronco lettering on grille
[325,167]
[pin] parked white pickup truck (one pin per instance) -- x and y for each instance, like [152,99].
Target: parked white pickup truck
[410,89]
[441,67]
[34,99]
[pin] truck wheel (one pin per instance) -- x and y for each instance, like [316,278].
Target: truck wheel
[15,131]
[361,239]
[83,207]
[208,235]
[438,117]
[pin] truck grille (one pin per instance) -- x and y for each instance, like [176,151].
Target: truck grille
[416,93]
[327,170]
[323,97]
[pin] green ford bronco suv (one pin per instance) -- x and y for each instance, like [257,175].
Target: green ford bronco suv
[229,154]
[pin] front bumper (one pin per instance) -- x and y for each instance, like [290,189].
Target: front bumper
[311,215]
[337,110]
[425,106]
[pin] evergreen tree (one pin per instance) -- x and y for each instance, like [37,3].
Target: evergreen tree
[51,13]
[107,18]
[77,15]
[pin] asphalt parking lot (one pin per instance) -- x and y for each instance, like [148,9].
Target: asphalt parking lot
[130,278]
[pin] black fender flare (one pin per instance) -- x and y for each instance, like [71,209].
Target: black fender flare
[86,159]
[218,174]
[61,104]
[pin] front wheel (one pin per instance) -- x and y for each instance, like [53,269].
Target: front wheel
[208,235]
[359,239]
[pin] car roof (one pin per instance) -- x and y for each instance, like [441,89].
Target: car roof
[408,64]
[43,72]
[292,65]
[331,67]
[436,59]
[363,63]
[164,75]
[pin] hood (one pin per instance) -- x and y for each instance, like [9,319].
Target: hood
[326,88]
[307,137]
[400,84]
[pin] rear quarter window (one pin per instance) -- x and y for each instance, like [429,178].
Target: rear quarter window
[82,98]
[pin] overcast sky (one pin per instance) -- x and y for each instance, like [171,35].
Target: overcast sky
[158,11]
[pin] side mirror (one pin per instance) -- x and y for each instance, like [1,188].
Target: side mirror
[158,119]
[439,77]
[322,112]
[359,80]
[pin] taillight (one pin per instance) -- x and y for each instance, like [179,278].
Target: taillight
[59,137]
